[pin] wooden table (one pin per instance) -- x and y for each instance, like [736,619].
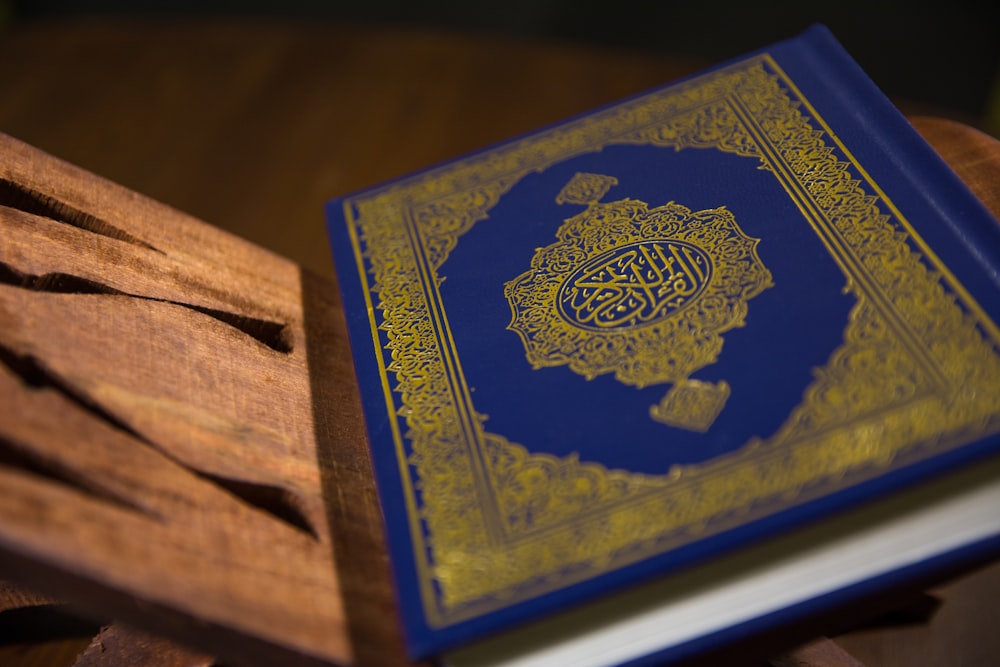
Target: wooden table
[251,127]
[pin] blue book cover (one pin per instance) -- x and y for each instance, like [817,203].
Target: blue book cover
[661,331]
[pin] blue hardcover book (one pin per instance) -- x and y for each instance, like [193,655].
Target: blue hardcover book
[675,369]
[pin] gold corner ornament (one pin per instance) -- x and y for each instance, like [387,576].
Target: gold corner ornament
[644,293]
[691,404]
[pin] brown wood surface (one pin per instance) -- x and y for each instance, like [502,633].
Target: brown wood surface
[820,653]
[157,432]
[13,596]
[180,440]
[123,646]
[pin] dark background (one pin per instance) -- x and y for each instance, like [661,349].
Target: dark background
[936,57]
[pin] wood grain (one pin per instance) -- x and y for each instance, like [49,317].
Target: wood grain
[819,653]
[971,153]
[159,450]
[124,646]
[14,596]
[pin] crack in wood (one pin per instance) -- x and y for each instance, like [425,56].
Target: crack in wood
[22,198]
[274,335]
[35,375]
[26,461]
[280,503]
[275,500]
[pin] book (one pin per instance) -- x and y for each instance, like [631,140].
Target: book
[676,369]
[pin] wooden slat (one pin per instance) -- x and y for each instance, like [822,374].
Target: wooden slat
[13,596]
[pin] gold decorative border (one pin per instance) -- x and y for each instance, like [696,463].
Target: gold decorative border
[493,523]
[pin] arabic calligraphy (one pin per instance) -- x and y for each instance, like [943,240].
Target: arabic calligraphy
[634,285]
[644,293]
